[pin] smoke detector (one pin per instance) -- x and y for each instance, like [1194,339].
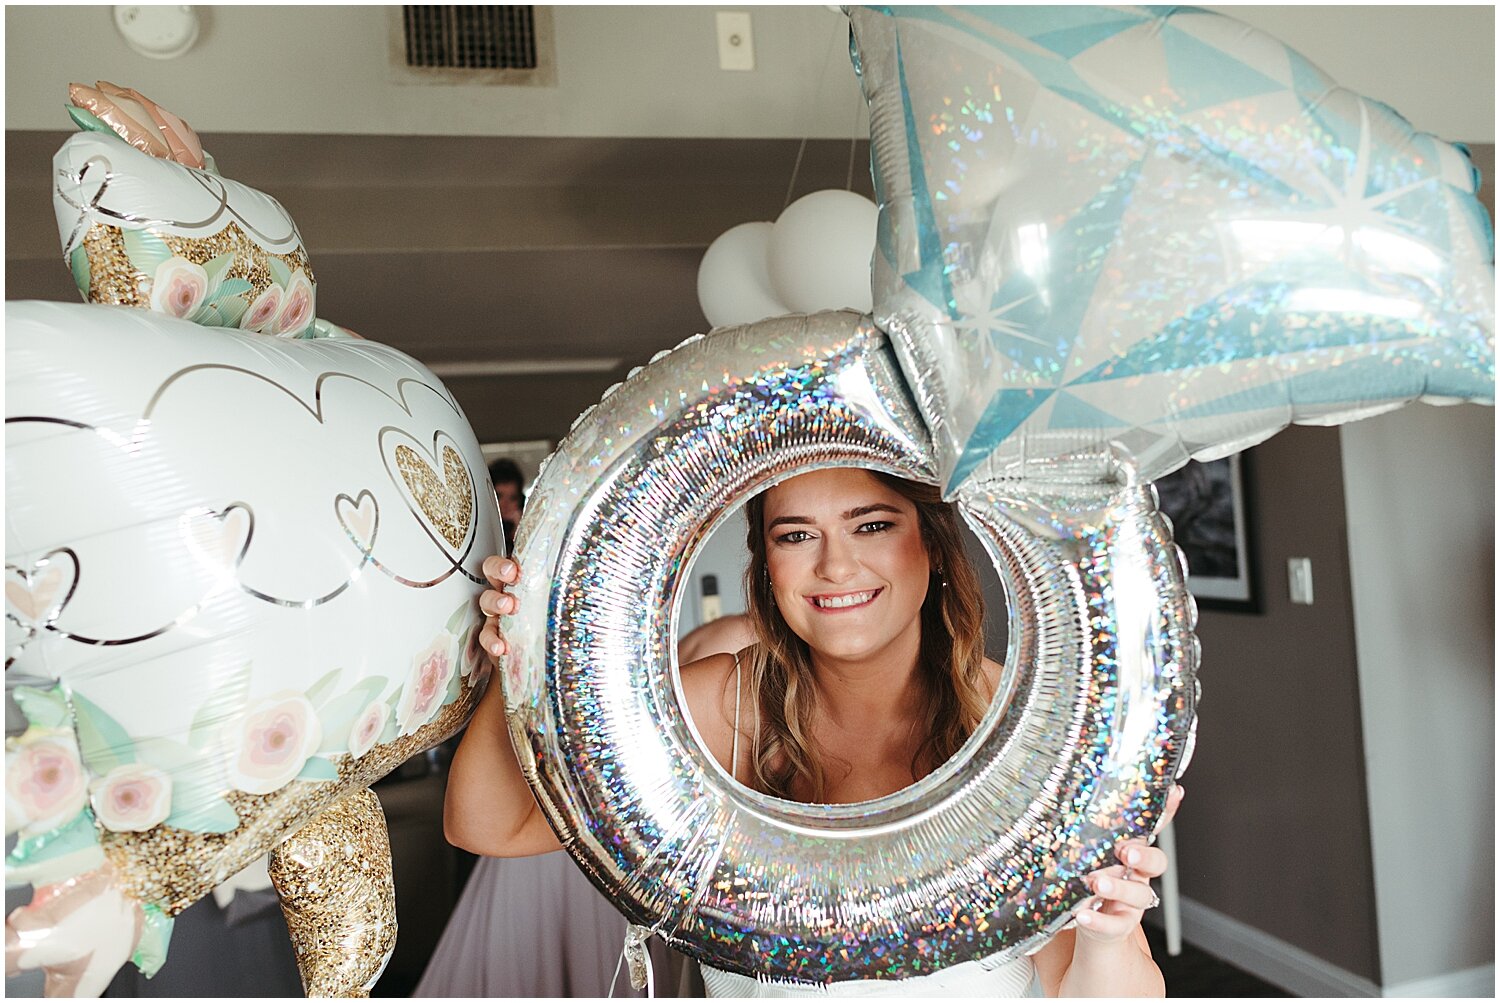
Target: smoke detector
[158,32]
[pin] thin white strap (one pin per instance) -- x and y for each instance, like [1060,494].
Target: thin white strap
[734,749]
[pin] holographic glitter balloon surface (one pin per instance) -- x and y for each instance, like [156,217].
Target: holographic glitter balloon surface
[980,859]
[1156,228]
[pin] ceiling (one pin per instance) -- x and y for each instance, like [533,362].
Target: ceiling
[542,251]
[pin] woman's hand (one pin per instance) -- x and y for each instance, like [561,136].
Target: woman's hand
[495,602]
[489,808]
[1122,892]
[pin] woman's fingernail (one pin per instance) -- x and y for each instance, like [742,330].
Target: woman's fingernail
[1085,918]
[495,649]
[1104,884]
[1132,856]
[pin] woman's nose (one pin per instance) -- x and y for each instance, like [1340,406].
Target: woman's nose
[836,561]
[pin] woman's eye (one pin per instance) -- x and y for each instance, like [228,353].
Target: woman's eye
[875,527]
[795,536]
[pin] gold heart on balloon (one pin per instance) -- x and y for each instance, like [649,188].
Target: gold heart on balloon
[439,491]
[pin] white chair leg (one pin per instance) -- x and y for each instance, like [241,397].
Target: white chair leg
[1171,905]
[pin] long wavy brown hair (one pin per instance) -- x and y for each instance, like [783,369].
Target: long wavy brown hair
[950,656]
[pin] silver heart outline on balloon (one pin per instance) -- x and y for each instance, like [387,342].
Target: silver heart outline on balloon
[366,546]
[205,180]
[315,409]
[186,615]
[50,609]
[133,445]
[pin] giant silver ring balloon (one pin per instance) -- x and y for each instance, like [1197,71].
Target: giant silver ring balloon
[982,857]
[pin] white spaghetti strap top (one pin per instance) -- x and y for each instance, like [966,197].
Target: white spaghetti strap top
[983,978]
[1016,977]
[734,748]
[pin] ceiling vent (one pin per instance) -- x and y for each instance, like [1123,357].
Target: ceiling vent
[459,45]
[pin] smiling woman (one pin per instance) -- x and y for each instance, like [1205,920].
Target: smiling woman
[857,796]
[865,609]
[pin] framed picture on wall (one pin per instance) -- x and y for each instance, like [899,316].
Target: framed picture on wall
[1206,503]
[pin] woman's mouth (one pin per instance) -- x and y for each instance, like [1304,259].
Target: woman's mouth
[846,600]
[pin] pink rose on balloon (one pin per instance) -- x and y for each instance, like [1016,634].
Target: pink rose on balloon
[132,798]
[178,287]
[426,684]
[367,728]
[275,741]
[297,305]
[263,312]
[44,782]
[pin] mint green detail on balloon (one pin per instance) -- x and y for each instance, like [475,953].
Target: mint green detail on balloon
[42,708]
[78,263]
[156,934]
[147,252]
[88,121]
[66,851]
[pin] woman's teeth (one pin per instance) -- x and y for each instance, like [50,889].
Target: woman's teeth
[839,602]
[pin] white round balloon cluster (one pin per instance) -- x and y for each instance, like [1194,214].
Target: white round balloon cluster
[816,256]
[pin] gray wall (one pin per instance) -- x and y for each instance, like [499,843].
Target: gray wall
[1275,830]
[1420,488]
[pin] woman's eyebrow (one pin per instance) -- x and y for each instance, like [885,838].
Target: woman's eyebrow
[855,513]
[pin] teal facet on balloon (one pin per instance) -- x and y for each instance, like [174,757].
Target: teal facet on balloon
[1155,229]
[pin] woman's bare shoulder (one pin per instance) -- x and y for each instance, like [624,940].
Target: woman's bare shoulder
[727,633]
[708,687]
[992,673]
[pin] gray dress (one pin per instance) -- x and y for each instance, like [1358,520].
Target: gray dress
[535,926]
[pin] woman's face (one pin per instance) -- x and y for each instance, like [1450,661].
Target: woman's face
[847,563]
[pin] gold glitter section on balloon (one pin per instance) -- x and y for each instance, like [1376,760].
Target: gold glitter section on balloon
[115,281]
[334,880]
[174,868]
[449,507]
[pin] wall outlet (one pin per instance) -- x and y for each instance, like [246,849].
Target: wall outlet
[736,45]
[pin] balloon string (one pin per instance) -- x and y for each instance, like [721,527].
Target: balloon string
[616,977]
[808,112]
[792,185]
[853,140]
[641,974]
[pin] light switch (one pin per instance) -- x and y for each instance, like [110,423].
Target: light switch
[1299,580]
[736,46]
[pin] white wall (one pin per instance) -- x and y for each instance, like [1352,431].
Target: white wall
[1435,64]
[723,555]
[647,71]
[621,71]
[1420,494]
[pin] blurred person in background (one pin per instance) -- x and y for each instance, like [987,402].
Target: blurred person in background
[510,493]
